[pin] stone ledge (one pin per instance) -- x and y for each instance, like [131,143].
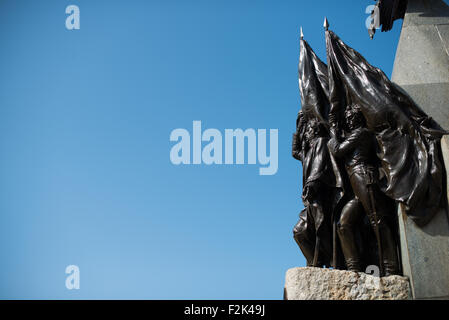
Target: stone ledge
[326,284]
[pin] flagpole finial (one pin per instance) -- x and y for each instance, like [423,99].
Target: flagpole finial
[326,24]
[302,34]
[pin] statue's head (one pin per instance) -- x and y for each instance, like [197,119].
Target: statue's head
[354,117]
[314,129]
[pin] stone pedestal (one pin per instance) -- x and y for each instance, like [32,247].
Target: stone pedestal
[326,284]
[421,68]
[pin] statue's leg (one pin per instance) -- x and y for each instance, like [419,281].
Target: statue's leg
[390,258]
[349,217]
[385,211]
[304,238]
[324,234]
[387,242]
[323,244]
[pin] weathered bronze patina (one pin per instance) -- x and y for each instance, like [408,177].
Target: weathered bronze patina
[321,193]
[365,146]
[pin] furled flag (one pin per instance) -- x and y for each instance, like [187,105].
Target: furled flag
[313,84]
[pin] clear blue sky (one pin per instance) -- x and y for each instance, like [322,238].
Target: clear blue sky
[85,120]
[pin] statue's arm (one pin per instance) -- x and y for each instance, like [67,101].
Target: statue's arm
[340,149]
[296,147]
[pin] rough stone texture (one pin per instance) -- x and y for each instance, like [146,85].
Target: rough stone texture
[426,63]
[422,12]
[421,68]
[326,284]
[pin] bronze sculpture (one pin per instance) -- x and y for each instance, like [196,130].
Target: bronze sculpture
[310,147]
[358,151]
[385,13]
[382,150]
[313,231]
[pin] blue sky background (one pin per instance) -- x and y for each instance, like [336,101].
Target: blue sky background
[85,120]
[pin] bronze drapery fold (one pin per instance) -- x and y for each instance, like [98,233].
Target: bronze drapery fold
[408,140]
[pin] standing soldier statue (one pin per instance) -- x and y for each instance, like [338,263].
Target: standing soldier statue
[359,153]
[313,231]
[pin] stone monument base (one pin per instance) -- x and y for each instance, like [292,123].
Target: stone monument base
[327,284]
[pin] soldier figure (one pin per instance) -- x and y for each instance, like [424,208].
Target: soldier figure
[313,233]
[359,154]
